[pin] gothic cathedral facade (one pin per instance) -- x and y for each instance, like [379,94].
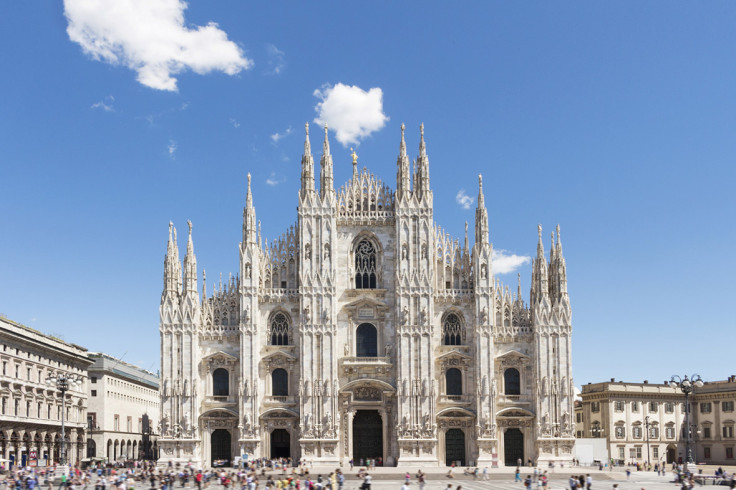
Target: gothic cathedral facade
[366,332]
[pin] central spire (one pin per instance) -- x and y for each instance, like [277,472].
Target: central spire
[481,216]
[422,180]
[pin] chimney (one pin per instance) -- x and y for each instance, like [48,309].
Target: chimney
[613,380]
[646,382]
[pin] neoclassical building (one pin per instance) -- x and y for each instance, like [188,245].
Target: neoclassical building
[366,331]
[31,410]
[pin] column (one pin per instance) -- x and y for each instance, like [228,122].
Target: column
[384,431]
[6,451]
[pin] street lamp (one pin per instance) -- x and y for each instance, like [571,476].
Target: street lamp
[596,431]
[646,423]
[63,382]
[686,386]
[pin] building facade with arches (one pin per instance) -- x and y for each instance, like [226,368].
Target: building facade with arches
[30,408]
[366,332]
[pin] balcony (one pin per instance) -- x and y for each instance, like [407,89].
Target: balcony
[514,400]
[280,400]
[219,401]
[456,400]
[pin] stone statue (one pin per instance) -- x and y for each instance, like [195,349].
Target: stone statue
[307,314]
[246,421]
[424,387]
[346,349]
[246,314]
[423,316]
[484,315]
[405,315]
[387,349]
[245,388]
[247,270]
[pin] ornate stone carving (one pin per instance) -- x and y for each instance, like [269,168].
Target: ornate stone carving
[367,393]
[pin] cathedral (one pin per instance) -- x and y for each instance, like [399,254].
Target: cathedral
[366,332]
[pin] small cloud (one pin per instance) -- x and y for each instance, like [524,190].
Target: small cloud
[577,393]
[275,137]
[34,319]
[505,262]
[105,104]
[276,61]
[235,123]
[172,148]
[184,106]
[350,111]
[152,38]
[464,200]
[272,180]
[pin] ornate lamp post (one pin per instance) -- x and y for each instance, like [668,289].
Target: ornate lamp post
[686,385]
[596,430]
[646,423]
[63,382]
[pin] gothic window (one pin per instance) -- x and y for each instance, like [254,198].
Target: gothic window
[279,382]
[512,381]
[221,382]
[452,330]
[366,344]
[365,265]
[279,329]
[454,382]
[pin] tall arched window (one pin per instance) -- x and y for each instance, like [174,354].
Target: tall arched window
[365,265]
[279,329]
[279,382]
[512,381]
[454,382]
[221,382]
[452,330]
[366,344]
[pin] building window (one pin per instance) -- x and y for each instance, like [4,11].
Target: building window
[5,368]
[669,407]
[365,265]
[706,452]
[279,329]
[130,424]
[16,408]
[621,453]
[116,422]
[619,406]
[93,392]
[93,379]
[653,406]
[727,406]
[620,432]
[706,432]
[635,452]
[452,330]
[578,417]
[654,432]
[279,382]
[729,452]
[634,406]
[91,420]
[221,382]
[4,405]
[512,381]
[636,432]
[595,407]
[705,407]
[366,344]
[728,431]
[454,382]
[655,452]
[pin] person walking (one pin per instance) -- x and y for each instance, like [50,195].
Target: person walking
[517,475]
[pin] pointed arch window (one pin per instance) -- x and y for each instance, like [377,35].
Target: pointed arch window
[279,382]
[454,382]
[452,330]
[279,327]
[365,265]
[512,381]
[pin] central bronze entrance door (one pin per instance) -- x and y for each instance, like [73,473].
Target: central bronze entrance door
[280,444]
[455,447]
[367,435]
[513,447]
[220,446]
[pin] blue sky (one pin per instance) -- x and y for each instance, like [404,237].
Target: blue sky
[615,120]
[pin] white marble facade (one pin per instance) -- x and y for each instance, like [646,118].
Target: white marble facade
[366,331]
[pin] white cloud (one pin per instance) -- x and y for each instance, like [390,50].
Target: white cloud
[276,61]
[235,123]
[105,104]
[577,393]
[172,148]
[464,200]
[272,180]
[350,111]
[152,38]
[505,262]
[275,137]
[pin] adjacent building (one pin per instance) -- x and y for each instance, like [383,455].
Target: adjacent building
[645,422]
[123,413]
[30,407]
[366,331]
